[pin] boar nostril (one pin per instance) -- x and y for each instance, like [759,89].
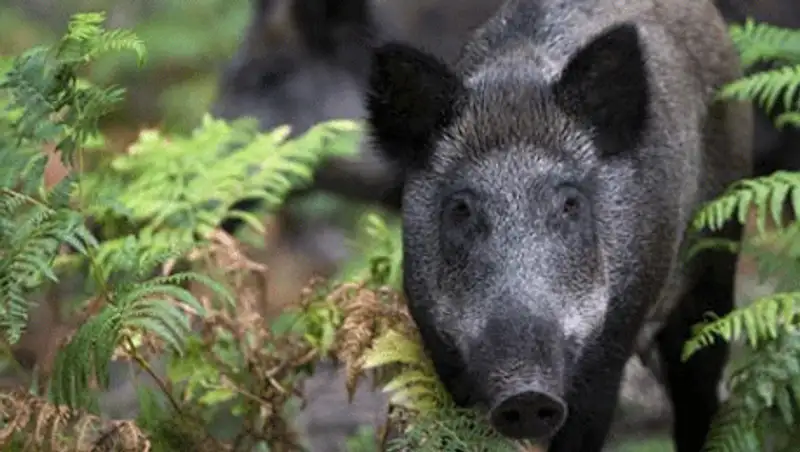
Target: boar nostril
[511,416]
[529,415]
[547,414]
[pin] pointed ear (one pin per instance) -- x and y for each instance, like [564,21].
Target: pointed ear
[348,12]
[328,24]
[605,85]
[412,97]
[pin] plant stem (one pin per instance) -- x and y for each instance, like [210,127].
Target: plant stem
[146,367]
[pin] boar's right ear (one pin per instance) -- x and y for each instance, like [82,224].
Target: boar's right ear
[412,97]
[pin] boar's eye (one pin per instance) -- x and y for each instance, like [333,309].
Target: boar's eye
[458,209]
[571,203]
[461,217]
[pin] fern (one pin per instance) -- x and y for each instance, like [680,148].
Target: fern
[436,424]
[762,42]
[759,42]
[47,103]
[46,100]
[763,408]
[763,320]
[44,103]
[156,306]
[761,413]
[766,88]
[30,236]
[768,193]
[162,201]
[174,192]
[188,185]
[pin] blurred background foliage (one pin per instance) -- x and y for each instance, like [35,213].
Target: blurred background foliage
[187,41]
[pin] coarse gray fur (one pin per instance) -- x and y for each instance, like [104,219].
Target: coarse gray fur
[664,181]
[545,217]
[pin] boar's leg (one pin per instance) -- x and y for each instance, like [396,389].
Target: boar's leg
[693,385]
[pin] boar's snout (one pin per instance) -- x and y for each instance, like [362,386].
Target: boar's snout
[528,413]
[517,364]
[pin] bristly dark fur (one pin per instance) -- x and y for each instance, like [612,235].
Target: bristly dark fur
[412,98]
[550,175]
[619,111]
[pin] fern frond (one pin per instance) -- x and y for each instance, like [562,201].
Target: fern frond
[768,194]
[732,431]
[451,430]
[766,88]
[763,320]
[46,102]
[411,389]
[435,423]
[189,184]
[33,423]
[133,257]
[791,119]
[31,234]
[86,39]
[21,166]
[43,102]
[157,307]
[765,400]
[764,42]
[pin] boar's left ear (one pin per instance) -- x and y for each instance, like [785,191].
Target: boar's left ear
[411,98]
[606,86]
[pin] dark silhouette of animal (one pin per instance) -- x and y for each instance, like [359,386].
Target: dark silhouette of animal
[546,181]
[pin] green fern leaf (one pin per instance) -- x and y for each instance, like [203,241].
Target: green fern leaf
[764,42]
[761,321]
[765,88]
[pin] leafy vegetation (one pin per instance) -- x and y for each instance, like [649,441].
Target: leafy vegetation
[763,408]
[139,304]
[178,83]
[163,280]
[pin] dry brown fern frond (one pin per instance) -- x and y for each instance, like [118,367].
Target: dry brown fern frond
[366,314]
[41,426]
[268,378]
[224,259]
[266,372]
[225,253]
